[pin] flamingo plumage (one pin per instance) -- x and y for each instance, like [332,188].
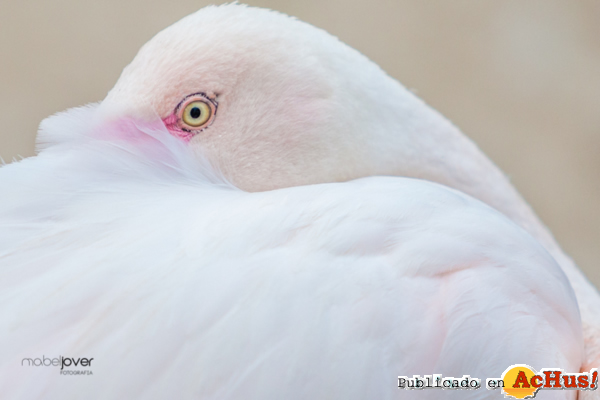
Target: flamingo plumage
[321,232]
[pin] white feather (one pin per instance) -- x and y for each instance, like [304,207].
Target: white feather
[116,243]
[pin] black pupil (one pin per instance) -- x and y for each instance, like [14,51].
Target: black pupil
[195,112]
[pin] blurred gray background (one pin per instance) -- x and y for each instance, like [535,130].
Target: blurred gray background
[521,78]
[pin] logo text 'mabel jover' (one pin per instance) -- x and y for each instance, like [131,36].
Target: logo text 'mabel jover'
[61,362]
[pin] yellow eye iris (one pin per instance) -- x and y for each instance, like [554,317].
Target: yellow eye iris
[196,114]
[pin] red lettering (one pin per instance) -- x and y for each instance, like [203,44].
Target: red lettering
[583,381]
[572,379]
[555,379]
[521,380]
[534,381]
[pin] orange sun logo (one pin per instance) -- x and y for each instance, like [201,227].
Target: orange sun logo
[517,380]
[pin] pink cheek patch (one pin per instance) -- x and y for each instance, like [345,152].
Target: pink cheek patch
[125,129]
[174,129]
[142,138]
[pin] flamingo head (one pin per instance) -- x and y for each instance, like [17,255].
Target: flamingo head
[274,102]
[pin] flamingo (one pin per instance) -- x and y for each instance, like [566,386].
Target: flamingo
[258,211]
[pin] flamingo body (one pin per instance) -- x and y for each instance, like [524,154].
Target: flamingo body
[121,245]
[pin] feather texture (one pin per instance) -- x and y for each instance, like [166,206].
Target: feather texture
[117,243]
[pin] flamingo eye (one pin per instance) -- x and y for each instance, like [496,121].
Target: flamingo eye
[197,112]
